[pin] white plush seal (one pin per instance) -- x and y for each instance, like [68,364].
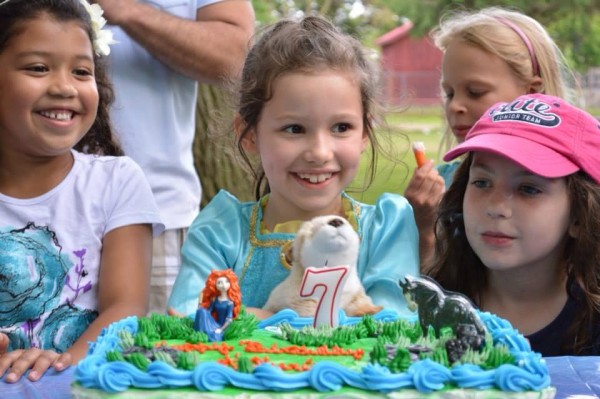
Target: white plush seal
[324,241]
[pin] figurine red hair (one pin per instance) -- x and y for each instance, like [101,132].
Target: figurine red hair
[219,304]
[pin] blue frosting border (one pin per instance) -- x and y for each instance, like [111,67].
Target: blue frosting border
[529,374]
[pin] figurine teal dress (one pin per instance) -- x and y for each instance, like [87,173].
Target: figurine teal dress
[228,233]
[205,322]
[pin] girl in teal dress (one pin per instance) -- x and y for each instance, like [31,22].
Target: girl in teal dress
[306,110]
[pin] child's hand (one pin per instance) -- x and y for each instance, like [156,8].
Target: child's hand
[259,313]
[425,189]
[424,192]
[173,312]
[17,362]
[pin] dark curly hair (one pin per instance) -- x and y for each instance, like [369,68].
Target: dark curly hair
[457,268]
[100,138]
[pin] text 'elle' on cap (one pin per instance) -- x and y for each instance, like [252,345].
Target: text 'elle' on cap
[544,134]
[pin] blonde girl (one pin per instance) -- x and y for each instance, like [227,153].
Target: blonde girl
[490,55]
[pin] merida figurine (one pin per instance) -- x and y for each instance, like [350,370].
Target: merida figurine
[219,304]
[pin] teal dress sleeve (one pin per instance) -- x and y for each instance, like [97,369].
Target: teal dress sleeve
[389,250]
[213,242]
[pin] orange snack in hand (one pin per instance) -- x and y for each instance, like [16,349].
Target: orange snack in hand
[419,150]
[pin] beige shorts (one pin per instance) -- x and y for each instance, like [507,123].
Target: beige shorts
[166,261]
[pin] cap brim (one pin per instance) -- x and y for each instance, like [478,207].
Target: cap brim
[531,155]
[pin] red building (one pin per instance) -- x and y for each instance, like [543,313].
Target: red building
[411,67]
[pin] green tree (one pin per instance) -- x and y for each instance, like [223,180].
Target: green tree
[214,158]
[574,25]
[339,11]
[579,38]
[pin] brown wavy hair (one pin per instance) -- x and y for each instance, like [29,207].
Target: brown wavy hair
[457,268]
[310,44]
[100,139]
[210,292]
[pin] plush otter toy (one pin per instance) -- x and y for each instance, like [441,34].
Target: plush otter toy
[324,241]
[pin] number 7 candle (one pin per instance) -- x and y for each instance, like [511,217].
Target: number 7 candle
[327,284]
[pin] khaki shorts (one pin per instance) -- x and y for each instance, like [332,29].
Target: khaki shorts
[166,261]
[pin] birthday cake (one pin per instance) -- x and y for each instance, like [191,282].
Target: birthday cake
[284,356]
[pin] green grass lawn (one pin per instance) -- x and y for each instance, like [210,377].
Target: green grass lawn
[432,115]
[393,175]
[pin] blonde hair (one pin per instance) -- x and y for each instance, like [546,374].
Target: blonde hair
[490,30]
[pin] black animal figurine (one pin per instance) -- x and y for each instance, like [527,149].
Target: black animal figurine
[438,308]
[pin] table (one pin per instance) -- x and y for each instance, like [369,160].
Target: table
[573,377]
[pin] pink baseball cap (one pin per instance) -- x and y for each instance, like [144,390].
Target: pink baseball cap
[544,134]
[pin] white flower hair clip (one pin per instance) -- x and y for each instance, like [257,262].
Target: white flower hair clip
[103,38]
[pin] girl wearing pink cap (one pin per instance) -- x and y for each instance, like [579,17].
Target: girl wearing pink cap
[518,228]
[490,55]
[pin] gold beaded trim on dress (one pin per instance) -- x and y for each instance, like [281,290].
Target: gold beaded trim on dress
[351,209]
